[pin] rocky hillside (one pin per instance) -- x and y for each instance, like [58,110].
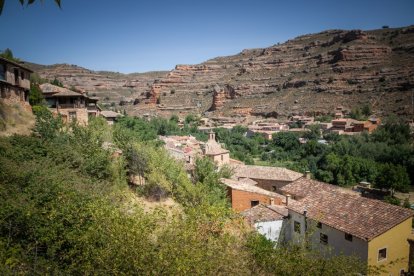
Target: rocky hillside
[311,74]
[110,87]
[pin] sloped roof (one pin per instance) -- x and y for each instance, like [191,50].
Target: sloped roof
[214,148]
[262,213]
[241,186]
[110,114]
[303,187]
[348,212]
[16,64]
[264,172]
[58,91]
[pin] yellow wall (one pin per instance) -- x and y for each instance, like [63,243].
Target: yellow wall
[395,240]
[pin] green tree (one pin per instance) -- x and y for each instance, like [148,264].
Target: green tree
[393,177]
[26,2]
[35,95]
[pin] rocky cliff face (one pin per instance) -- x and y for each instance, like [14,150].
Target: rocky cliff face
[311,74]
[112,88]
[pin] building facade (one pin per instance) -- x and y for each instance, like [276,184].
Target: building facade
[14,83]
[71,105]
[338,221]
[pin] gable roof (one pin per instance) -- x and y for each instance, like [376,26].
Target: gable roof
[263,213]
[265,172]
[110,114]
[16,64]
[57,91]
[241,186]
[211,147]
[348,212]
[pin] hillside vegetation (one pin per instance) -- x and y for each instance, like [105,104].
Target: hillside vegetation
[66,208]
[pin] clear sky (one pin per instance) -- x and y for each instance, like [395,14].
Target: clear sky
[137,36]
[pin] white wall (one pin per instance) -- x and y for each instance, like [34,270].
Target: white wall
[270,229]
[337,244]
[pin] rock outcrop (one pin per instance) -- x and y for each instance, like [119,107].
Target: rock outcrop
[310,74]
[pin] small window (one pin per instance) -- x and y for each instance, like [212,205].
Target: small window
[274,188]
[22,75]
[323,238]
[382,254]
[222,157]
[319,225]
[348,237]
[254,203]
[2,72]
[296,226]
[402,272]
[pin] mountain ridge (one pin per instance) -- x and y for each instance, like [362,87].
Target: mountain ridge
[309,74]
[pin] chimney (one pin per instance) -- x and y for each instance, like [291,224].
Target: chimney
[272,201]
[308,175]
[287,199]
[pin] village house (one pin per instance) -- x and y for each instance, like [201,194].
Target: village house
[71,105]
[184,148]
[14,83]
[266,129]
[351,126]
[244,195]
[340,221]
[268,178]
[110,116]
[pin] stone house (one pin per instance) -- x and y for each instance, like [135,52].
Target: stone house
[340,221]
[14,83]
[110,116]
[71,105]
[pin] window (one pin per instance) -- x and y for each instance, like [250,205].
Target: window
[402,272]
[22,75]
[254,203]
[348,237]
[222,157]
[2,72]
[323,238]
[296,226]
[319,225]
[16,76]
[274,188]
[382,254]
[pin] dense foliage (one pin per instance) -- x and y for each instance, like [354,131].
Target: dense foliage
[66,208]
[384,158]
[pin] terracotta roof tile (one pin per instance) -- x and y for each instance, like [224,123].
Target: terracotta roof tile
[346,211]
[262,213]
[264,172]
[241,186]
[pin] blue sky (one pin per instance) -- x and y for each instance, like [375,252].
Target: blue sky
[137,36]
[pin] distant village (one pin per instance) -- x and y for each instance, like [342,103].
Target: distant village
[281,204]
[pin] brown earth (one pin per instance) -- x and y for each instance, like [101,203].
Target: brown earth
[311,74]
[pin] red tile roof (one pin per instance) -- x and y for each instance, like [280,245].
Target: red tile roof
[262,213]
[264,172]
[346,211]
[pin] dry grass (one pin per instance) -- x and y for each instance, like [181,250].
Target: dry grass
[14,119]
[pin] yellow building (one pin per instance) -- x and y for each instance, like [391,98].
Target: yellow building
[343,222]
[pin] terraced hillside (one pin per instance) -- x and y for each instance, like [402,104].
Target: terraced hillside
[311,74]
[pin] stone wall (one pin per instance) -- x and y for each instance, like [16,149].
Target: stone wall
[68,115]
[14,95]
